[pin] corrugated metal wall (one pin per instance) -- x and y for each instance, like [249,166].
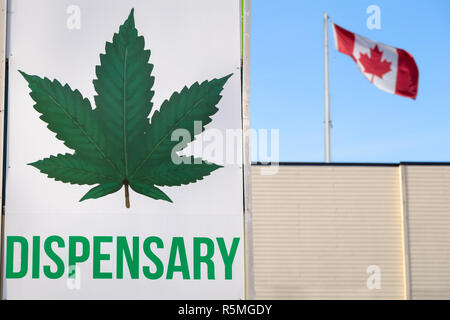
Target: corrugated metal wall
[428,211]
[318,228]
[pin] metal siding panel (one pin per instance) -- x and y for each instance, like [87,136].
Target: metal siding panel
[428,189]
[318,228]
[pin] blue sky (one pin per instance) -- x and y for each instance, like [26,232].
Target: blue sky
[369,125]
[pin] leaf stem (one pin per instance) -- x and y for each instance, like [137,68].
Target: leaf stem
[127,195]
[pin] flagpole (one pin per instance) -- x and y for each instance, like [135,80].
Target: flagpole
[327,121]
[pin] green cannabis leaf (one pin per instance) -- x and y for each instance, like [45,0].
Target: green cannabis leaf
[114,144]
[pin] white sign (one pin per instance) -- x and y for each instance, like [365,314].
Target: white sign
[153,223]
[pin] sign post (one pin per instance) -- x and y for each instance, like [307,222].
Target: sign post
[250,279]
[2,113]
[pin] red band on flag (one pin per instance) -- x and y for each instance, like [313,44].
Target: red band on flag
[407,75]
[345,41]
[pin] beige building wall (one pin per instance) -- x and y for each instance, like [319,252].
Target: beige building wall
[428,210]
[319,228]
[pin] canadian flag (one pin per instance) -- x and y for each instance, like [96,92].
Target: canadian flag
[390,69]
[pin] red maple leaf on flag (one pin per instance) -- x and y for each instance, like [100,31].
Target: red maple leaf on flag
[373,64]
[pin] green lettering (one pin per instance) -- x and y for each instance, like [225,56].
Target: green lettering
[73,258]
[98,257]
[54,257]
[36,257]
[158,264]
[10,274]
[228,258]
[178,248]
[206,259]
[132,260]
